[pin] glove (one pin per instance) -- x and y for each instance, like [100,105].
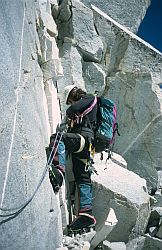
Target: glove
[61,127]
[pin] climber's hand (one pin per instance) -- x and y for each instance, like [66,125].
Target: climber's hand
[62,127]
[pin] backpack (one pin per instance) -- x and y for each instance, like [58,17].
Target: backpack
[107,126]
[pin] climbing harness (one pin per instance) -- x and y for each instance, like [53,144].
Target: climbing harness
[90,168]
[22,207]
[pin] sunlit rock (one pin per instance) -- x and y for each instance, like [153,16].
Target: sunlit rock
[124,191]
[132,81]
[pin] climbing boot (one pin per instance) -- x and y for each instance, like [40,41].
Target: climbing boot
[83,223]
[56,178]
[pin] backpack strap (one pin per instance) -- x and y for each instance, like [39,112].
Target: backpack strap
[110,148]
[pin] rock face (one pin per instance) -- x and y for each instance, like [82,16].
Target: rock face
[84,35]
[40,55]
[130,17]
[24,135]
[133,74]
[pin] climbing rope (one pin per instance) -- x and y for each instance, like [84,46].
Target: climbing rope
[21,207]
[16,110]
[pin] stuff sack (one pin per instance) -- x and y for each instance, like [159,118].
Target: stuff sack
[56,178]
[107,126]
[56,161]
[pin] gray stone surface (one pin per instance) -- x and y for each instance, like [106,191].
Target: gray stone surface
[75,242]
[94,77]
[51,70]
[90,49]
[126,193]
[128,13]
[83,32]
[72,68]
[49,55]
[53,105]
[105,228]
[159,233]
[133,70]
[159,185]
[106,245]
[136,244]
[88,236]
[117,246]
[48,22]
[152,243]
[44,5]
[118,159]
[24,135]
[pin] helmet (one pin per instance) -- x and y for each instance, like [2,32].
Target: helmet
[67,91]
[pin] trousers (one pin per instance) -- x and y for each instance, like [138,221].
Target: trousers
[78,146]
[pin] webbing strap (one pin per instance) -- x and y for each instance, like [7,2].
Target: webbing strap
[89,109]
[82,144]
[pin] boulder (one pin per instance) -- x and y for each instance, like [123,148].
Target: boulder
[104,229]
[125,192]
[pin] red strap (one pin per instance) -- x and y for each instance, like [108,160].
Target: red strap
[88,110]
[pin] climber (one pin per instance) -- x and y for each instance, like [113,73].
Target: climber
[78,142]
[56,160]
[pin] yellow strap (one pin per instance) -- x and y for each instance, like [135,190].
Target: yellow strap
[72,124]
[91,149]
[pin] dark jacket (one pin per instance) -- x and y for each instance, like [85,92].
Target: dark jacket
[87,124]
